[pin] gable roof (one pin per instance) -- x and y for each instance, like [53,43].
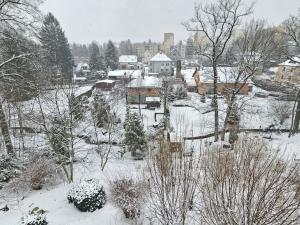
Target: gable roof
[160,57]
[147,81]
[128,59]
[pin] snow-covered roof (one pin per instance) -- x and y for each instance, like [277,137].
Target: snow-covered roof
[191,82]
[160,57]
[79,78]
[188,73]
[294,62]
[81,65]
[122,73]
[152,99]
[128,59]
[106,81]
[147,81]
[225,75]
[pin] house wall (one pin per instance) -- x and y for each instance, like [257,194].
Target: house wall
[133,94]
[288,74]
[128,66]
[208,88]
[105,86]
[161,67]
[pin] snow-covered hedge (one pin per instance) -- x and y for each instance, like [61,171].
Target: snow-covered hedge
[87,196]
[35,217]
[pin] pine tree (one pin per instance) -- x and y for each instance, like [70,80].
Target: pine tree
[56,47]
[111,56]
[96,61]
[134,133]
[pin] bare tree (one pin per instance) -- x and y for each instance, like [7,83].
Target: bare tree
[253,184]
[173,178]
[281,110]
[109,116]
[58,114]
[217,22]
[292,28]
[248,53]
[19,14]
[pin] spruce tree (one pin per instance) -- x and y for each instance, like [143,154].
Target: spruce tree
[134,133]
[96,61]
[111,56]
[56,47]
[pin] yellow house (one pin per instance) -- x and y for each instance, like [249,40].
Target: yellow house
[289,71]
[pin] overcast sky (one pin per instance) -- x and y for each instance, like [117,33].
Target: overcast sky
[141,20]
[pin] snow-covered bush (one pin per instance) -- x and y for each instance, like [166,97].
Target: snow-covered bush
[87,195]
[9,168]
[127,195]
[35,217]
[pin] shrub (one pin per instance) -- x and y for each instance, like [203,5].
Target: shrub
[35,217]
[40,170]
[127,195]
[87,195]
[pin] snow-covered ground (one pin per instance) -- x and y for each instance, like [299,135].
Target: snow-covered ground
[188,118]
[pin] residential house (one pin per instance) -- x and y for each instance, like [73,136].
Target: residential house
[105,85]
[128,62]
[289,71]
[139,90]
[226,81]
[160,64]
[83,70]
[82,73]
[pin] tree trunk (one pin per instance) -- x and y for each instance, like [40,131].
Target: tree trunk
[5,133]
[215,101]
[297,117]
[228,112]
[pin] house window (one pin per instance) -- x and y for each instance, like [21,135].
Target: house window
[167,64]
[162,64]
[167,70]
[162,70]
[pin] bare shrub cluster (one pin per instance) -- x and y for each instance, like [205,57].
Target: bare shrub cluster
[127,194]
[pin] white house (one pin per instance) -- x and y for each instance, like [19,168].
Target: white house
[160,64]
[128,62]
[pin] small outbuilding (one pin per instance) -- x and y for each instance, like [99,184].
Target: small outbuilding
[140,89]
[105,85]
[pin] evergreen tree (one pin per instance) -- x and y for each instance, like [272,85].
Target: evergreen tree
[56,47]
[190,48]
[101,112]
[96,60]
[126,48]
[111,56]
[134,133]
